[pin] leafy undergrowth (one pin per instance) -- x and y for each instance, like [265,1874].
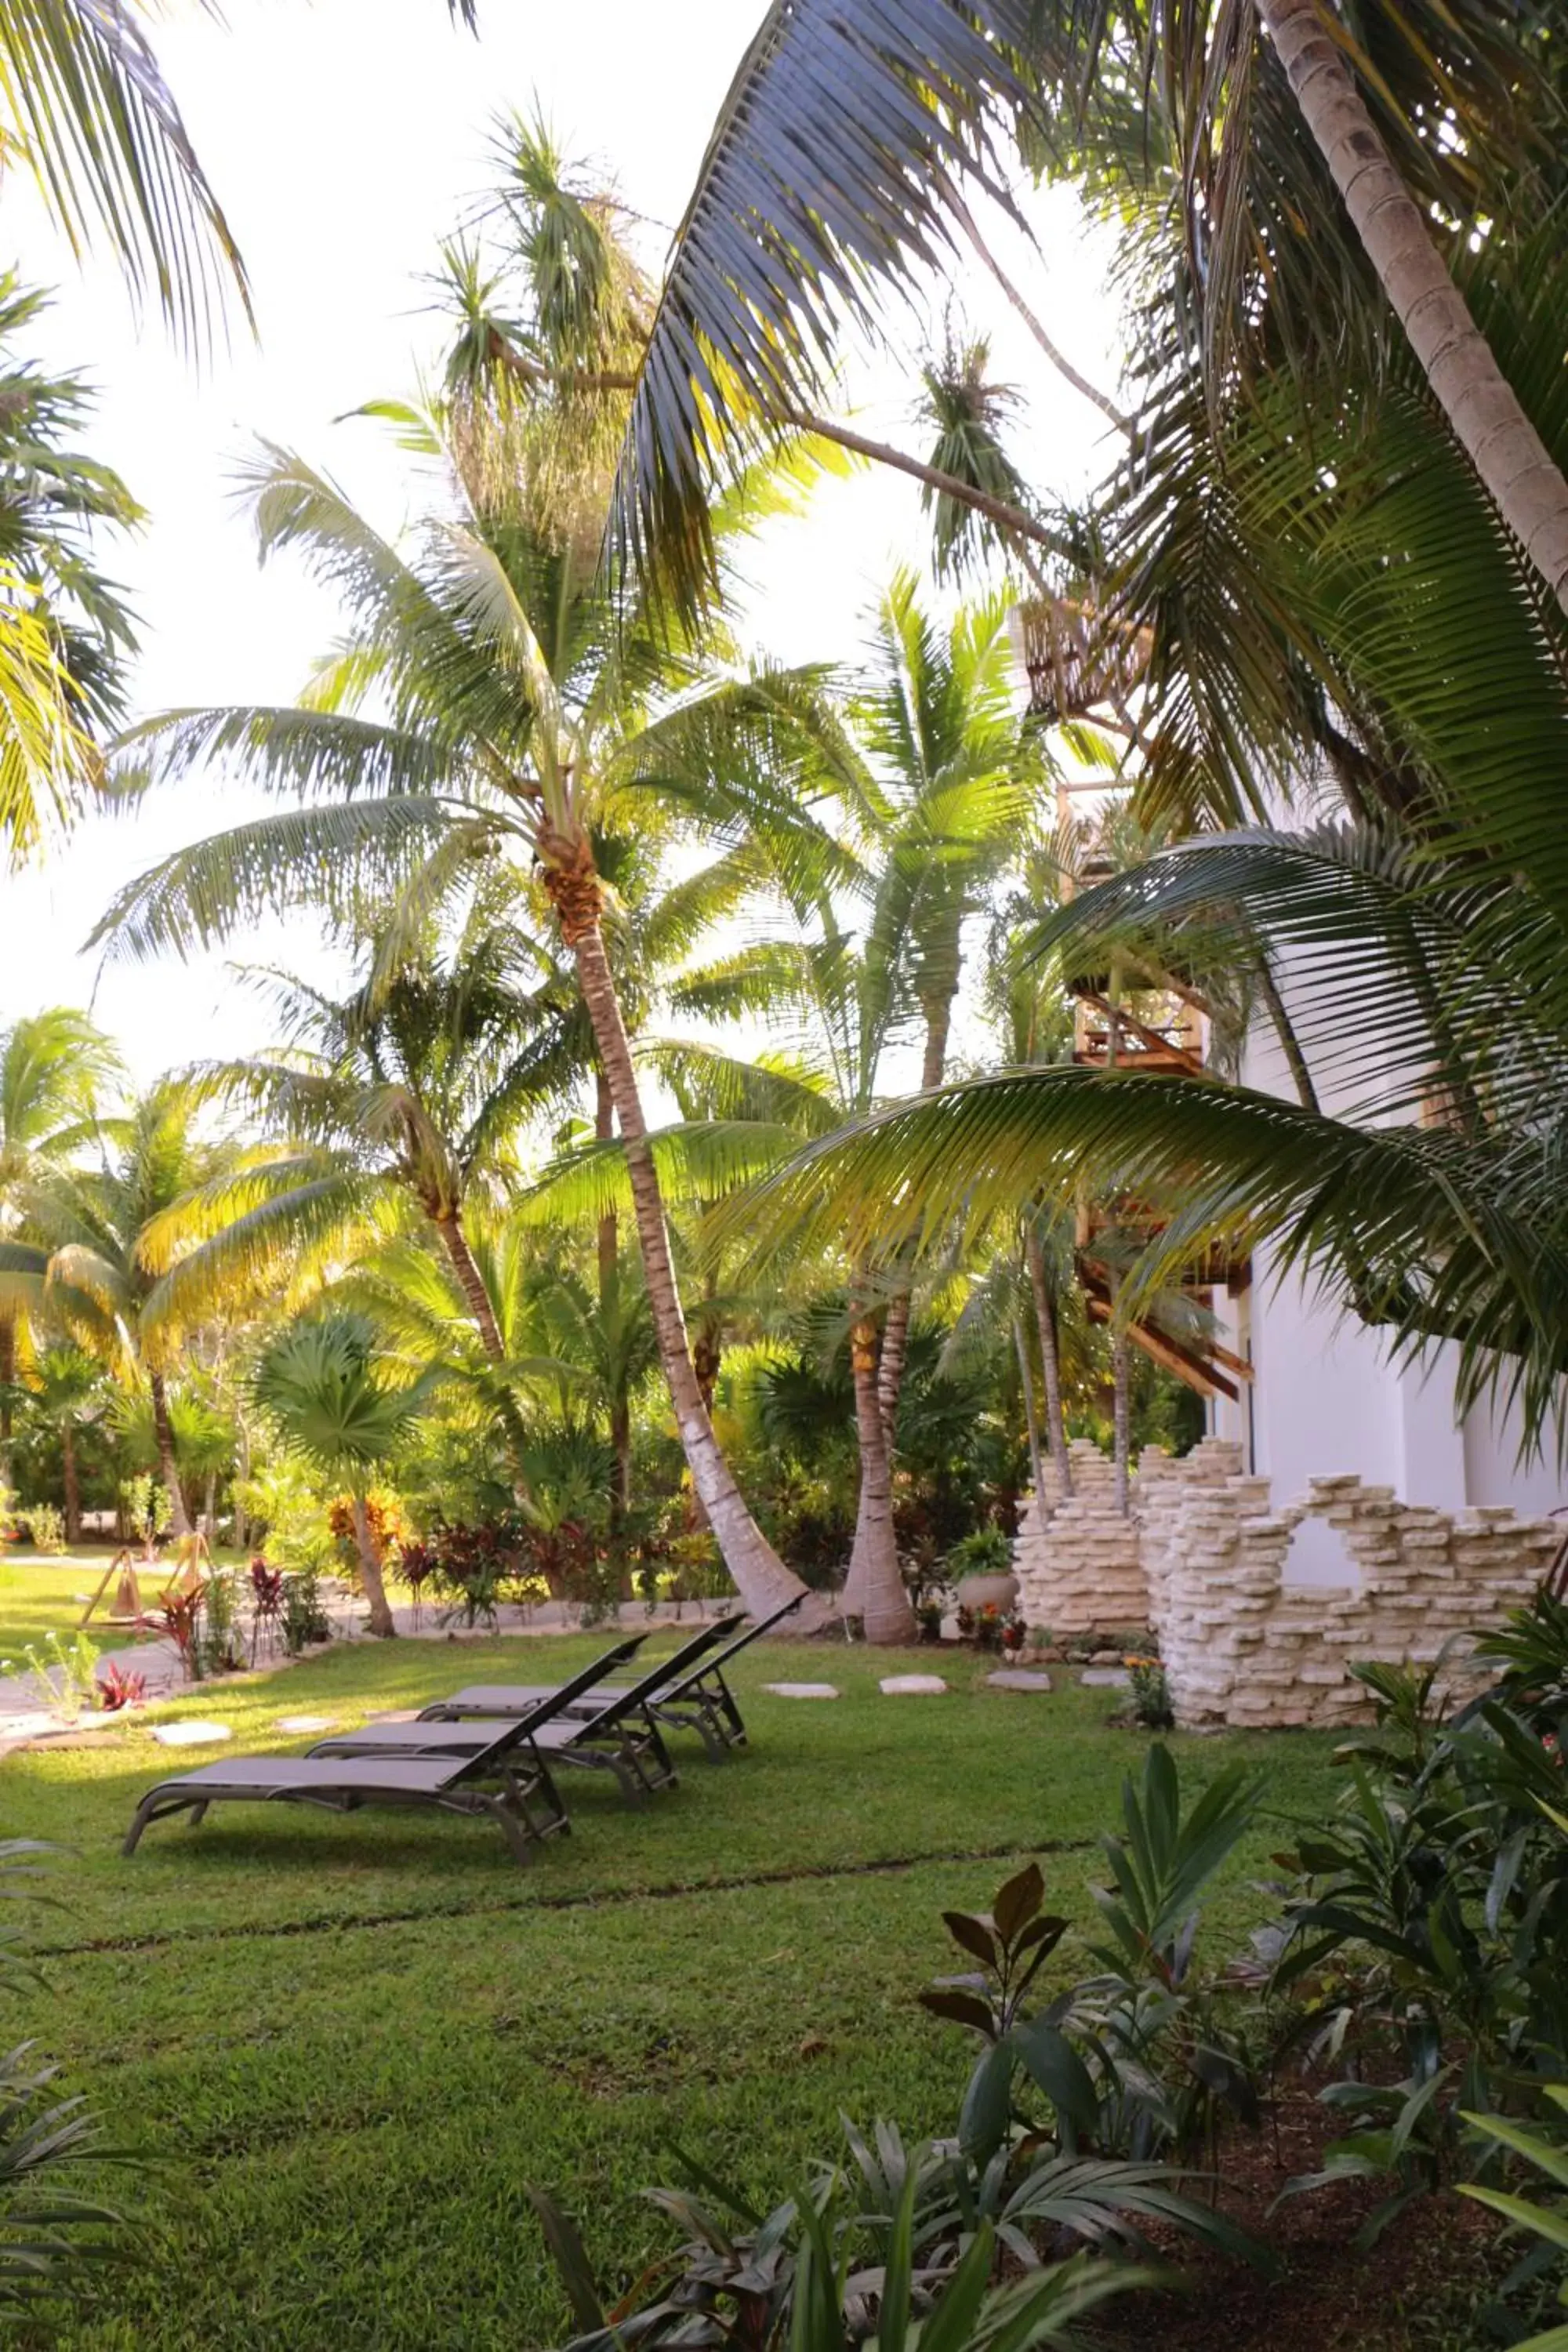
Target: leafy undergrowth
[357,2043]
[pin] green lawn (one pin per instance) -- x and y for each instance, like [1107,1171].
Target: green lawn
[38,1598]
[355,2043]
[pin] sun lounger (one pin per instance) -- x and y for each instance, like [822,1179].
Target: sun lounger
[621,1736]
[702,1701]
[486,1700]
[505,1778]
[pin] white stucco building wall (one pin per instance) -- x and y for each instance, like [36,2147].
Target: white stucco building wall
[1328,1399]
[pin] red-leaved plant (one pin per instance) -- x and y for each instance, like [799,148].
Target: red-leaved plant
[117,1689]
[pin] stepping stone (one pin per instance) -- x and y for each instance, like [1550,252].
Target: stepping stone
[1106,1678]
[191,1735]
[395,1715]
[303,1723]
[801,1690]
[1018,1678]
[912,1686]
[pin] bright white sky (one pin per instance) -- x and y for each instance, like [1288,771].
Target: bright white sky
[343,139]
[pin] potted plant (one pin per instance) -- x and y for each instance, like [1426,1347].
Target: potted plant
[980,1569]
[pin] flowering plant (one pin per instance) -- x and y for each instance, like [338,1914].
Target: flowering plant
[117,1690]
[1151,1692]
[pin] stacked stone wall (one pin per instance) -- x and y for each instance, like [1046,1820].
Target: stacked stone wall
[1203,1556]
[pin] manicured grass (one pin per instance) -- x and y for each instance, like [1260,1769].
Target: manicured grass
[41,1597]
[356,2043]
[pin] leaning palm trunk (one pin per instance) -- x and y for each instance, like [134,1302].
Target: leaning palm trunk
[1050,1361]
[882,1602]
[163,1438]
[761,1577]
[1490,424]
[381,1618]
[1122,1420]
[471,1282]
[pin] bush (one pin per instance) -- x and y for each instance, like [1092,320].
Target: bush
[46,1528]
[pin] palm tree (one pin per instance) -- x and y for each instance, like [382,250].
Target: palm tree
[52,1065]
[412,1088]
[526,710]
[65,1392]
[65,629]
[846,1003]
[837,157]
[124,1273]
[952,782]
[320,1385]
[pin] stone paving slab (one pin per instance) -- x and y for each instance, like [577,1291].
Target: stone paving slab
[912,1686]
[801,1690]
[1106,1678]
[1018,1678]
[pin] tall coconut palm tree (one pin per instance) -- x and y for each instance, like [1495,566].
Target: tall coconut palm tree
[844,1002]
[52,1067]
[527,713]
[323,1388]
[1309,174]
[952,785]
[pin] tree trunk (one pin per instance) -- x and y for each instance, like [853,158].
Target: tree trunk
[72,1484]
[1031,1423]
[609,1239]
[8,1379]
[883,1607]
[163,1437]
[1122,1419]
[1050,1361]
[761,1577]
[370,1573]
[209,1507]
[1509,454]
[471,1282]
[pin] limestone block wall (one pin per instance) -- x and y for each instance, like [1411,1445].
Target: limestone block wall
[1080,1563]
[1204,1558]
[1243,1647]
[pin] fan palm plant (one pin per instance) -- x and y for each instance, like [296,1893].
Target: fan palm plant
[330,1403]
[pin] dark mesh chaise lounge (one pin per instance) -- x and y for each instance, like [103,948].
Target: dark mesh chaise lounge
[504,1778]
[619,1735]
[485,1700]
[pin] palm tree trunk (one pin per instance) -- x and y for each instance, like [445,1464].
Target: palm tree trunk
[761,1577]
[7,1378]
[72,1482]
[1509,454]
[163,1438]
[380,1621]
[1031,1422]
[1050,1361]
[209,1507]
[884,1607]
[609,1239]
[1121,1417]
[471,1282]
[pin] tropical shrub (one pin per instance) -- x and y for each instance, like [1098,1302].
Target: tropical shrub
[984,1552]
[46,1530]
[305,1620]
[1139,2061]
